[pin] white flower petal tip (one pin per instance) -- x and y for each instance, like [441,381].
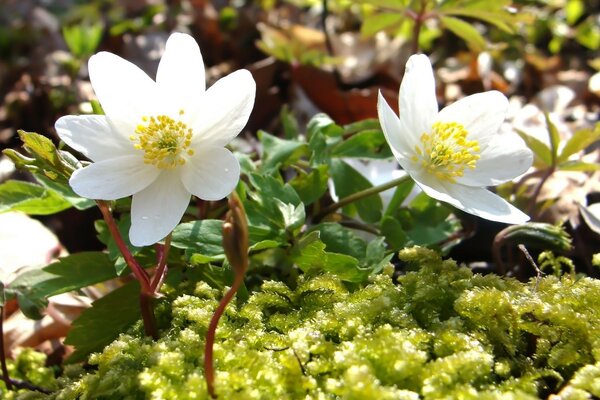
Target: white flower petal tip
[458,150]
[160,141]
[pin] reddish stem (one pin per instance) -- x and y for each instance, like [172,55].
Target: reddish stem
[147,293]
[136,268]
[162,252]
[209,371]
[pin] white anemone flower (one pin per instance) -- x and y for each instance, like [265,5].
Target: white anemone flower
[160,141]
[455,153]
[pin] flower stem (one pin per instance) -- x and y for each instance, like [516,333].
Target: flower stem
[359,196]
[162,253]
[536,193]
[209,370]
[5,376]
[132,263]
[147,291]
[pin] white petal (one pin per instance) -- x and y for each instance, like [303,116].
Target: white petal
[180,75]
[224,109]
[125,92]
[402,147]
[505,158]
[481,114]
[211,174]
[418,103]
[114,178]
[92,136]
[473,200]
[157,210]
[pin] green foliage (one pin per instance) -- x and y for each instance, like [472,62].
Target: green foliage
[440,332]
[76,271]
[30,198]
[83,39]
[29,365]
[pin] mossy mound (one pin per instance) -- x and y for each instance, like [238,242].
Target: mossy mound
[439,332]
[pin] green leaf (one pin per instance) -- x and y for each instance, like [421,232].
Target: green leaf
[279,152]
[348,181]
[269,204]
[394,233]
[365,144]
[30,198]
[498,18]
[66,192]
[364,125]
[465,31]
[49,161]
[341,240]
[540,150]
[264,245]
[400,194]
[200,238]
[588,33]
[576,165]
[579,141]
[310,256]
[83,40]
[311,186]
[73,272]
[323,124]
[554,138]
[380,22]
[574,9]
[289,123]
[108,317]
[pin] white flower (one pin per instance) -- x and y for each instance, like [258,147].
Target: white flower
[455,153]
[160,141]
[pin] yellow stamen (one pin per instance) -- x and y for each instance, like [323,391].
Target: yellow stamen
[445,151]
[165,141]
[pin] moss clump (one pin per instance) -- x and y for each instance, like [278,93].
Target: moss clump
[439,332]
[29,365]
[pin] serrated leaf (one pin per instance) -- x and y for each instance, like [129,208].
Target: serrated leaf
[72,272]
[123,225]
[200,238]
[540,150]
[279,152]
[365,144]
[30,198]
[108,317]
[348,181]
[465,31]
[310,256]
[66,192]
[325,125]
[339,239]
[311,186]
[579,141]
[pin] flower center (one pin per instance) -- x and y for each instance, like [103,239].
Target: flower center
[446,152]
[165,141]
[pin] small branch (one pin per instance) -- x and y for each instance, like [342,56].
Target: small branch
[359,196]
[26,385]
[538,271]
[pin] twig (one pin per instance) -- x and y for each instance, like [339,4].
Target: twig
[538,271]
[26,385]
[5,376]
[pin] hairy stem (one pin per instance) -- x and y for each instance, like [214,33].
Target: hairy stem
[359,196]
[209,370]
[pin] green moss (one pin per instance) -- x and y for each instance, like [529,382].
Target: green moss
[440,331]
[29,366]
